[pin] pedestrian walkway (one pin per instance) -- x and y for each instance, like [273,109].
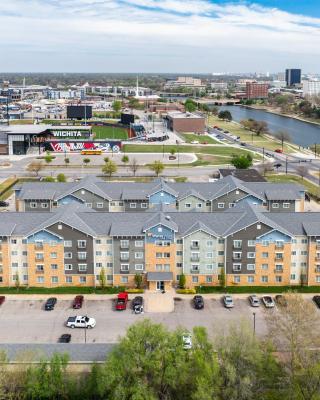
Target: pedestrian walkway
[158,302]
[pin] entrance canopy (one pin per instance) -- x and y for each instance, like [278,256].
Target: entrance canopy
[159,276]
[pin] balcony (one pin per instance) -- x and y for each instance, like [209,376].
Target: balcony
[124,258]
[195,259]
[195,247]
[317,246]
[39,271]
[124,272]
[236,258]
[317,270]
[278,258]
[278,271]
[317,258]
[37,259]
[82,258]
[124,246]
[38,246]
[194,271]
[279,246]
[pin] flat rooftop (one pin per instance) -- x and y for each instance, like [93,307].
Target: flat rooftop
[179,114]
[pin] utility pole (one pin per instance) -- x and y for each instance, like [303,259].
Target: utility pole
[286,165]
[254,323]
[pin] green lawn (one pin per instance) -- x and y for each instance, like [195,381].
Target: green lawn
[257,289]
[61,290]
[109,132]
[190,137]
[280,178]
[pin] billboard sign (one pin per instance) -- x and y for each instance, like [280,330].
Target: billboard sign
[78,146]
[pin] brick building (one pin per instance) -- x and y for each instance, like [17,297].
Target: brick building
[256,90]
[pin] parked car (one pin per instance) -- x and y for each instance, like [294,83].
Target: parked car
[195,142]
[50,303]
[277,165]
[278,151]
[81,322]
[254,300]
[122,300]
[77,302]
[198,302]
[4,203]
[137,301]
[281,300]
[268,301]
[243,144]
[187,341]
[2,299]
[316,299]
[228,301]
[226,131]
[268,155]
[65,338]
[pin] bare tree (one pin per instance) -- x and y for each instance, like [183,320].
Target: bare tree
[302,171]
[134,166]
[35,167]
[283,136]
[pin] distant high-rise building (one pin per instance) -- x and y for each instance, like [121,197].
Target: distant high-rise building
[257,90]
[293,76]
[311,88]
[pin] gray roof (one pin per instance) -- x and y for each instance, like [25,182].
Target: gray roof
[159,276]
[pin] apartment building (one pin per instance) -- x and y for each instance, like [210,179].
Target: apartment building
[70,245]
[257,90]
[103,196]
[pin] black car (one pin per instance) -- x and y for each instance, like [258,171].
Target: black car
[137,301]
[316,299]
[281,300]
[65,338]
[243,144]
[3,203]
[198,302]
[50,303]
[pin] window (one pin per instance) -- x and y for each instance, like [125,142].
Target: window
[195,267]
[133,205]
[220,205]
[138,243]
[124,267]
[259,226]
[187,205]
[25,277]
[82,244]
[54,279]
[250,279]
[179,265]
[304,253]
[144,205]
[25,265]
[264,279]
[293,277]
[40,279]
[124,255]
[251,267]
[14,253]
[83,191]
[33,205]
[124,244]
[39,256]
[199,205]
[265,254]
[109,241]
[237,255]
[14,265]
[318,278]
[236,267]
[275,205]
[294,253]
[109,277]
[158,267]
[209,243]
[60,227]
[98,241]
[293,264]
[99,253]
[109,265]
[264,267]
[265,242]
[286,205]
[138,267]
[278,279]
[304,241]
[67,243]
[209,254]
[138,254]
[54,266]
[221,253]
[68,267]
[236,279]
[82,279]
[99,205]
[82,255]
[237,244]
[208,279]
[303,264]
[82,267]
[195,244]
[44,205]
[209,267]
[68,279]
[166,267]
[53,255]
[251,254]
[195,279]
[251,243]
[159,255]
[124,279]
[179,241]
[231,205]
[53,242]
[14,241]
[166,255]
[99,265]
[109,253]
[89,205]
[159,229]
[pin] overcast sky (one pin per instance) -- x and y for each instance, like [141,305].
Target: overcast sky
[197,36]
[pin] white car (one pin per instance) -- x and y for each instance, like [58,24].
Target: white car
[254,300]
[187,341]
[268,301]
[81,322]
[195,142]
[228,302]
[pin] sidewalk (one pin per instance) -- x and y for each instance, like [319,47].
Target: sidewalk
[157,302]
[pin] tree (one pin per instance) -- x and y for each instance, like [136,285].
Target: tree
[102,278]
[67,161]
[182,281]
[190,105]
[86,161]
[138,280]
[225,115]
[35,167]
[302,171]
[283,136]
[106,159]
[48,158]
[17,281]
[173,151]
[134,166]
[48,179]
[116,106]
[125,159]
[134,103]
[61,177]
[109,168]
[222,278]
[242,161]
[157,167]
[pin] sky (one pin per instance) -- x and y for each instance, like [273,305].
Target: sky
[189,36]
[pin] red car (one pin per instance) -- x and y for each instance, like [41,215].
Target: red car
[2,299]
[77,302]
[278,151]
[122,300]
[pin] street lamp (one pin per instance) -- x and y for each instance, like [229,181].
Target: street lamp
[254,323]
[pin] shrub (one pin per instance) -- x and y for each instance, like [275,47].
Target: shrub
[134,290]
[186,291]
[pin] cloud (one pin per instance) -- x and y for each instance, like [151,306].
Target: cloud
[175,32]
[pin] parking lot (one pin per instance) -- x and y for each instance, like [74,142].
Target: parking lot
[25,321]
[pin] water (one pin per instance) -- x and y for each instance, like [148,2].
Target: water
[301,133]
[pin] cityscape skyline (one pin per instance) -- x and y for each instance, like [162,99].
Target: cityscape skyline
[148,36]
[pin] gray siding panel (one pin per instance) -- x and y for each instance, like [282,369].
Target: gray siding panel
[131,249]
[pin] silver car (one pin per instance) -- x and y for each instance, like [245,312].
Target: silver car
[228,302]
[254,300]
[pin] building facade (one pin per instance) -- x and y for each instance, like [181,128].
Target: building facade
[256,90]
[293,76]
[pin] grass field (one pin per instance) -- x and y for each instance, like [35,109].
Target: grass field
[109,132]
[190,137]
[281,178]
[250,137]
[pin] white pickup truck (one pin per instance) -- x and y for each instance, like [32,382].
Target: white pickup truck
[81,322]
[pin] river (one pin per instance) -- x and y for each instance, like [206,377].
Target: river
[301,133]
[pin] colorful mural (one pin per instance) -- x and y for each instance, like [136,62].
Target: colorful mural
[77,146]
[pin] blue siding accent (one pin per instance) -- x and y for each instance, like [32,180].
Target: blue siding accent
[45,236]
[154,234]
[162,197]
[251,200]
[68,199]
[273,236]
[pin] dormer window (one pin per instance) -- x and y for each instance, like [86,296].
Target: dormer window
[161,194]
